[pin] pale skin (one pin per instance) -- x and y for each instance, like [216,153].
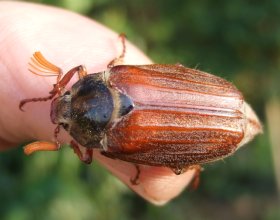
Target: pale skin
[67,40]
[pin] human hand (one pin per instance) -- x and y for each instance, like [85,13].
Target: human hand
[67,40]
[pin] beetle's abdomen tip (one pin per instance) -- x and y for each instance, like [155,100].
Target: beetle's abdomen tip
[253,125]
[253,121]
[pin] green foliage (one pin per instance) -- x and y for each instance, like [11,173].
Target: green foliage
[238,40]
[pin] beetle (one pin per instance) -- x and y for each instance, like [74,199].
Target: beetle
[157,114]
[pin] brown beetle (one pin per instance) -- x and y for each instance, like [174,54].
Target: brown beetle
[158,115]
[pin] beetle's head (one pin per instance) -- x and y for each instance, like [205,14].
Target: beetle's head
[61,109]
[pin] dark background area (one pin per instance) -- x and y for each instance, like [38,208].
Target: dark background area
[238,40]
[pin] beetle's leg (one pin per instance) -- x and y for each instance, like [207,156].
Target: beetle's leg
[179,65]
[60,85]
[56,132]
[179,170]
[196,177]
[81,70]
[135,179]
[86,157]
[119,59]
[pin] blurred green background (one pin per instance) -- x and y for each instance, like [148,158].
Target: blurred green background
[238,40]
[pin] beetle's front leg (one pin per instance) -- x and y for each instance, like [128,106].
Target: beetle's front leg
[85,157]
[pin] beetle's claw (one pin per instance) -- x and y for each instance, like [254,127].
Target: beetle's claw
[21,104]
[87,157]
[178,170]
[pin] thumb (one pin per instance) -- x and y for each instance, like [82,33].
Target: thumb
[67,40]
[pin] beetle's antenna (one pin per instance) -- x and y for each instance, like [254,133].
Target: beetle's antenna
[40,66]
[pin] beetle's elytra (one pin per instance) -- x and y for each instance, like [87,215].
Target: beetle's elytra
[158,115]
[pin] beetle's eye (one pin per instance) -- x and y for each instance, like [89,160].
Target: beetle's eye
[65,126]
